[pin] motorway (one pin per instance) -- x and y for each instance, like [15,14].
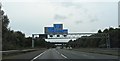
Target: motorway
[55,53]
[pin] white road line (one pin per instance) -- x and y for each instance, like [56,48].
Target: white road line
[38,56]
[64,56]
[61,54]
[57,51]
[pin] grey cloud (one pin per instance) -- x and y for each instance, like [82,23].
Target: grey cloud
[78,22]
[60,17]
[69,4]
[93,19]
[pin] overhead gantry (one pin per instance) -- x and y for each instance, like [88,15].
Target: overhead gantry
[57,32]
[73,36]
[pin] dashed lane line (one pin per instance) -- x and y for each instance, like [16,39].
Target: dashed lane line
[61,54]
[57,51]
[64,56]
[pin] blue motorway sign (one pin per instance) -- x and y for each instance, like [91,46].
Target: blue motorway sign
[57,29]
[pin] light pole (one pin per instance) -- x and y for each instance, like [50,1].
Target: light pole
[108,41]
[32,41]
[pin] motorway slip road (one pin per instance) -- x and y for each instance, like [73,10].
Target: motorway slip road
[61,55]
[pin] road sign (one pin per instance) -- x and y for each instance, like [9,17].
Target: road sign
[57,29]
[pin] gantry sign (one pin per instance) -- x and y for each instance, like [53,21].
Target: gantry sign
[57,32]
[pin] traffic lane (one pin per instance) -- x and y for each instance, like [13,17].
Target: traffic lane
[28,55]
[49,54]
[70,54]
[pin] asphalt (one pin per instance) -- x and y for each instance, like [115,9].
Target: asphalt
[27,56]
[71,54]
[61,54]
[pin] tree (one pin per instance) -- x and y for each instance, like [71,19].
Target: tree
[5,21]
[16,39]
[105,31]
[110,29]
[99,31]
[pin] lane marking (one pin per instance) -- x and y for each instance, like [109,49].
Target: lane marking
[61,54]
[64,56]
[38,56]
[57,51]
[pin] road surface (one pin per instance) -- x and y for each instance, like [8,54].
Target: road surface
[61,54]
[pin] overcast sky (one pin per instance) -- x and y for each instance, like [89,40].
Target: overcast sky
[76,15]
